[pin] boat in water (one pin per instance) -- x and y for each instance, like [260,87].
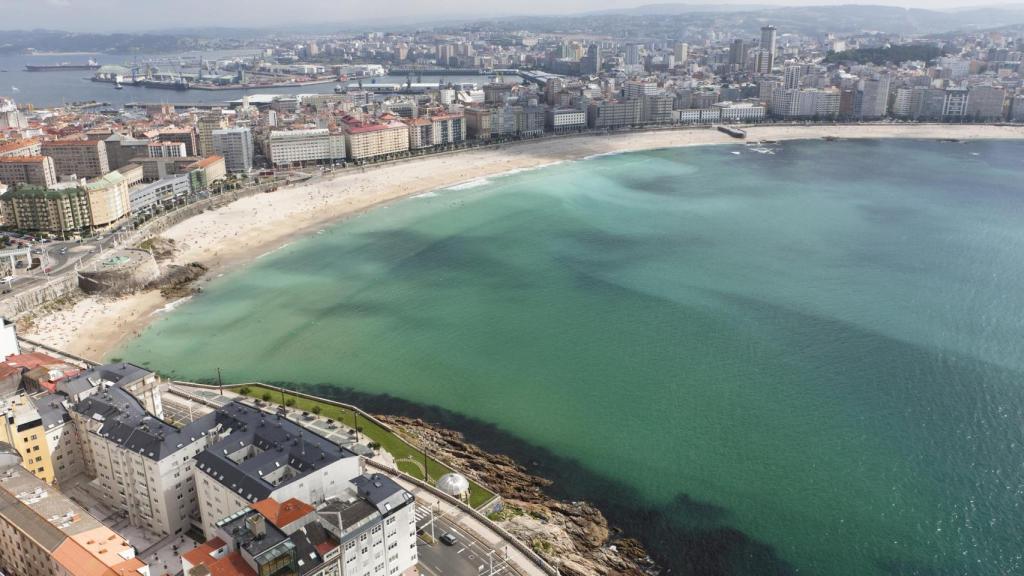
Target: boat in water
[63,66]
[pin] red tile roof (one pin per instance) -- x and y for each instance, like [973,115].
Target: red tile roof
[231,565]
[59,143]
[201,554]
[22,159]
[209,160]
[31,360]
[284,513]
[16,145]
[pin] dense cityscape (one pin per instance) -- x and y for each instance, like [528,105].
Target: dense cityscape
[110,468]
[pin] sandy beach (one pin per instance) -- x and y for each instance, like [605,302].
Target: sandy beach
[248,228]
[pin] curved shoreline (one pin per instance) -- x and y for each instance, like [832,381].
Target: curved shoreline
[240,232]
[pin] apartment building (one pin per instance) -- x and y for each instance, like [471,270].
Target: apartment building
[368,531]
[136,462]
[565,119]
[44,533]
[236,147]
[186,136]
[109,200]
[746,111]
[34,170]
[292,147]
[13,148]
[205,126]
[436,130]
[121,149]
[82,158]
[166,150]
[257,456]
[614,113]
[39,428]
[986,102]
[365,140]
[36,209]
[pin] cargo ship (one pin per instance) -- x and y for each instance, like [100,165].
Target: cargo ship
[63,66]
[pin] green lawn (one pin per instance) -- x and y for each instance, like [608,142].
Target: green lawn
[408,458]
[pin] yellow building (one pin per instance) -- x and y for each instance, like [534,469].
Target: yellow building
[109,200]
[23,429]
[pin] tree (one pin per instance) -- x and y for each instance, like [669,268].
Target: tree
[317,409]
[266,396]
[289,402]
[244,390]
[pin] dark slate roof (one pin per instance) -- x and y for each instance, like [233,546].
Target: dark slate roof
[354,516]
[305,548]
[237,527]
[382,492]
[280,441]
[51,410]
[120,373]
[126,422]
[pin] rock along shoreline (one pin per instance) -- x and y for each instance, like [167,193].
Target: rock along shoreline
[575,537]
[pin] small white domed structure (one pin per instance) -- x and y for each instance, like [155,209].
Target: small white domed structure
[455,485]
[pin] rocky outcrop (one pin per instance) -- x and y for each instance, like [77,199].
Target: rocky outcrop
[177,281]
[573,536]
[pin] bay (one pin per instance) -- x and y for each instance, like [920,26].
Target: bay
[806,361]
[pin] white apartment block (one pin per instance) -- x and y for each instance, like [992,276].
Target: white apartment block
[255,456]
[235,145]
[740,112]
[288,147]
[138,463]
[166,150]
[566,119]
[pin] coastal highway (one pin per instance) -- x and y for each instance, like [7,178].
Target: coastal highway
[467,557]
[59,257]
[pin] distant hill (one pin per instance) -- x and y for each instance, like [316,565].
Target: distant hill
[843,18]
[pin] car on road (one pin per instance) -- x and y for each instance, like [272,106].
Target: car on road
[449,539]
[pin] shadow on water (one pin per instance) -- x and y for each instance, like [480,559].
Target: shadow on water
[685,536]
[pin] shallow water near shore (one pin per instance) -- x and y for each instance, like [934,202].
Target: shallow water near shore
[806,361]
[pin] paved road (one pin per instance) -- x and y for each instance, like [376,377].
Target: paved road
[59,257]
[467,557]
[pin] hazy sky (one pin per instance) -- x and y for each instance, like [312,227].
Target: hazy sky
[124,15]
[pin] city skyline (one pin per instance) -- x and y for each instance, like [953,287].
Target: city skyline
[94,15]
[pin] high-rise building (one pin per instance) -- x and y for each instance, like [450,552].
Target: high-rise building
[986,102]
[205,125]
[288,147]
[235,145]
[591,63]
[955,106]
[10,116]
[738,53]
[633,55]
[767,52]
[682,53]
[82,158]
[875,97]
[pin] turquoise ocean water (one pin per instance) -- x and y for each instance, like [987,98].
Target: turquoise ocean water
[808,362]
